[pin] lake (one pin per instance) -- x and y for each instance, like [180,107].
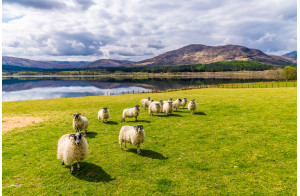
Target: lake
[32,88]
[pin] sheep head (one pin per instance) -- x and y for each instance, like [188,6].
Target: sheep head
[138,128]
[76,137]
[76,116]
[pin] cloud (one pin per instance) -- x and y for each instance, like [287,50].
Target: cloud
[136,30]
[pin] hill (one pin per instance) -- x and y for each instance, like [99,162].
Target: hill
[106,63]
[202,54]
[291,54]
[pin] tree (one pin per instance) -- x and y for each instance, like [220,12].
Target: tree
[289,73]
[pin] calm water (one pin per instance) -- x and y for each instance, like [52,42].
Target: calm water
[31,88]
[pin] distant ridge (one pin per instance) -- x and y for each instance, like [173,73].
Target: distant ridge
[202,54]
[291,54]
[106,63]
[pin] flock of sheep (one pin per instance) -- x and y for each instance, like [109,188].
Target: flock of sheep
[74,147]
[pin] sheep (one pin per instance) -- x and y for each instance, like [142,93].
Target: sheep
[176,104]
[103,114]
[168,108]
[154,107]
[131,112]
[161,103]
[183,103]
[192,106]
[143,100]
[80,122]
[146,103]
[72,147]
[132,134]
[170,99]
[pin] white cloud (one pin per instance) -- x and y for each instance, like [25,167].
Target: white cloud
[136,29]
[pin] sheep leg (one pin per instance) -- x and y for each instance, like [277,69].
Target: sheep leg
[138,149]
[121,145]
[123,119]
[78,166]
[125,144]
[72,170]
[136,118]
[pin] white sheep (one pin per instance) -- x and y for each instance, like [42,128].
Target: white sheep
[103,114]
[72,147]
[168,108]
[154,107]
[176,104]
[143,100]
[192,106]
[170,99]
[131,112]
[80,122]
[183,102]
[146,103]
[132,134]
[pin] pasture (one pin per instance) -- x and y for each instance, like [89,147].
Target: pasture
[239,141]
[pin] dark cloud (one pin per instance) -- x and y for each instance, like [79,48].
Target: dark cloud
[39,4]
[156,45]
[85,4]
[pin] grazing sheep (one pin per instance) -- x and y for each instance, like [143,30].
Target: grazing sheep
[183,103]
[168,108]
[192,106]
[80,122]
[143,100]
[146,103]
[154,107]
[176,104]
[131,112]
[132,134]
[72,147]
[103,114]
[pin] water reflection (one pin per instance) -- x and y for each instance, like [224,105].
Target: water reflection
[30,88]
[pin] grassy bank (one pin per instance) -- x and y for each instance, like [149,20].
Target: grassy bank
[240,141]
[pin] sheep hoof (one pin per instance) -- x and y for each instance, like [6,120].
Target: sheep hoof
[72,172]
[78,169]
[62,163]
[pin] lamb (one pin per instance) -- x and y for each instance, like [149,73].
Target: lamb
[168,108]
[131,112]
[192,106]
[183,103]
[146,103]
[132,134]
[103,114]
[80,122]
[72,147]
[154,107]
[177,103]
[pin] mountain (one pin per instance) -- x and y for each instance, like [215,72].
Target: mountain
[291,54]
[75,63]
[106,63]
[27,63]
[202,54]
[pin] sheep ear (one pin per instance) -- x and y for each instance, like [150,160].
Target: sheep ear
[142,126]
[134,127]
[83,133]
[71,135]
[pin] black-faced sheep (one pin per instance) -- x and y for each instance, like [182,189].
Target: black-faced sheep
[132,134]
[103,115]
[154,107]
[72,147]
[176,104]
[80,122]
[184,102]
[168,108]
[131,112]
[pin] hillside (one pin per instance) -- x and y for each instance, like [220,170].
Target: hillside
[291,54]
[106,63]
[201,54]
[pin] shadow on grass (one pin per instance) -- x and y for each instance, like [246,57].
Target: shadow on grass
[112,123]
[92,173]
[200,113]
[148,153]
[163,115]
[145,121]
[91,134]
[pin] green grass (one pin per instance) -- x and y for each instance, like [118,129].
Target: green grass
[239,142]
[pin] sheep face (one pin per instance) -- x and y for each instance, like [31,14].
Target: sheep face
[137,107]
[76,137]
[138,128]
[170,103]
[161,102]
[105,109]
[184,99]
[179,100]
[148,98]
[170,99]
[157,105]
[76,116]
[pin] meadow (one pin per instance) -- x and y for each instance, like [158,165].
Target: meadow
[240,141]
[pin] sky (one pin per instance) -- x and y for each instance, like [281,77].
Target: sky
[87,30]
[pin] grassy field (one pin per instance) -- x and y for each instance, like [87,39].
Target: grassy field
[240,141]
[261,85]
